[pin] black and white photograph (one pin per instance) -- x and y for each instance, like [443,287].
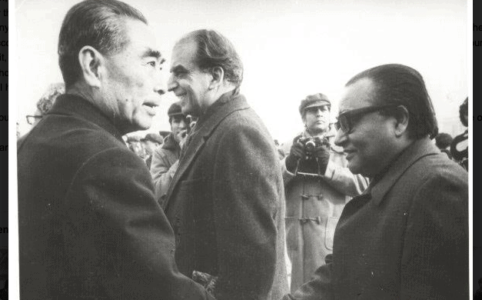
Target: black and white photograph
[259,149]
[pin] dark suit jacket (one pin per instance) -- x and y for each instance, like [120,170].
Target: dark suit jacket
[406,237]
[226,205]
[90,227]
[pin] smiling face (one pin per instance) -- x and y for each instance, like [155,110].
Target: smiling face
[370,145]
[317,119]
[188,82]
[133,84]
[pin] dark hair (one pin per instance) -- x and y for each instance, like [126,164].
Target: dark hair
[402,85]
[464,112]
[97,23]
[443,140]
[215,50]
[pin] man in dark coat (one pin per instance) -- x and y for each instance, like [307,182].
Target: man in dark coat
[406,236]
[225,202]
[90,226]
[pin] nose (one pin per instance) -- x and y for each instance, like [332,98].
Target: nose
[171,83]
[183,124]
[160,86]
[340,138]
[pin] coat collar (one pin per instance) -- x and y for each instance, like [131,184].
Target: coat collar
[78,107]
[202,133]
[409,156]
[171,144]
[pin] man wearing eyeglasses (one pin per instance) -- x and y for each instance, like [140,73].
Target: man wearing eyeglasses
[406,236]
[317,185]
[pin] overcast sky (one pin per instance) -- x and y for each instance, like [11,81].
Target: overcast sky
[289,48]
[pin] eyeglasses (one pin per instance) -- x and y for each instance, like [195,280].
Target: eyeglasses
[31,119]
[347,120]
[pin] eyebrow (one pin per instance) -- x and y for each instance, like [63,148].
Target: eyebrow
[152,53]
[177,69]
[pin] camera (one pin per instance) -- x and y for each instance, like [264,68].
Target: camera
[308,165]
[310,144]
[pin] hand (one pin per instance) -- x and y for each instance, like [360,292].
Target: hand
[322,154]
[297,149]
[297,152]
[182,135]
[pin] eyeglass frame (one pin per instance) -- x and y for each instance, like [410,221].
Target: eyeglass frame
[357,113]
[34,117]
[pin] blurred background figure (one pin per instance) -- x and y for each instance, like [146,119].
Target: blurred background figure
[279,148]
[165,158]
[134,144]
[19,134]
[45,103]
[460,144]
[150,142]
[443,141]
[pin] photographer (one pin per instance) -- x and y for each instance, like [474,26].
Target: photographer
[317,186]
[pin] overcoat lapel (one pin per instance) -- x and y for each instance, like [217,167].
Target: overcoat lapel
[199,138]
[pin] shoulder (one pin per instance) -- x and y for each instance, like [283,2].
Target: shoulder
[242,123]
[436,179]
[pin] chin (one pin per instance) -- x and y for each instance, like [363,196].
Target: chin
[354,168]
[143,124]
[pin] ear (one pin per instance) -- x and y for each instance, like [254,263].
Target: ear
[91,61]
[218,77]
[402,118]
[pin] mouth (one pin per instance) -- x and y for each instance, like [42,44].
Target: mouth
[151,107]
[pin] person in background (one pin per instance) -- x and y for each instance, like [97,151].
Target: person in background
[43,106]
[460,144]
[443,141]
[134,144]
[225,201]
[89,224]
[45,103]
[407,235]
[150,143]
[317,186]
[165,158]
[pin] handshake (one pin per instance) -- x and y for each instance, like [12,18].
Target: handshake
[308,156]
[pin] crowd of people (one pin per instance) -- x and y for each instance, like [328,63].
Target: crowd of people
[364,208]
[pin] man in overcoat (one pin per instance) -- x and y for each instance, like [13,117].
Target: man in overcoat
[317,185]
[225,201]
[406,236]
[89,224]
